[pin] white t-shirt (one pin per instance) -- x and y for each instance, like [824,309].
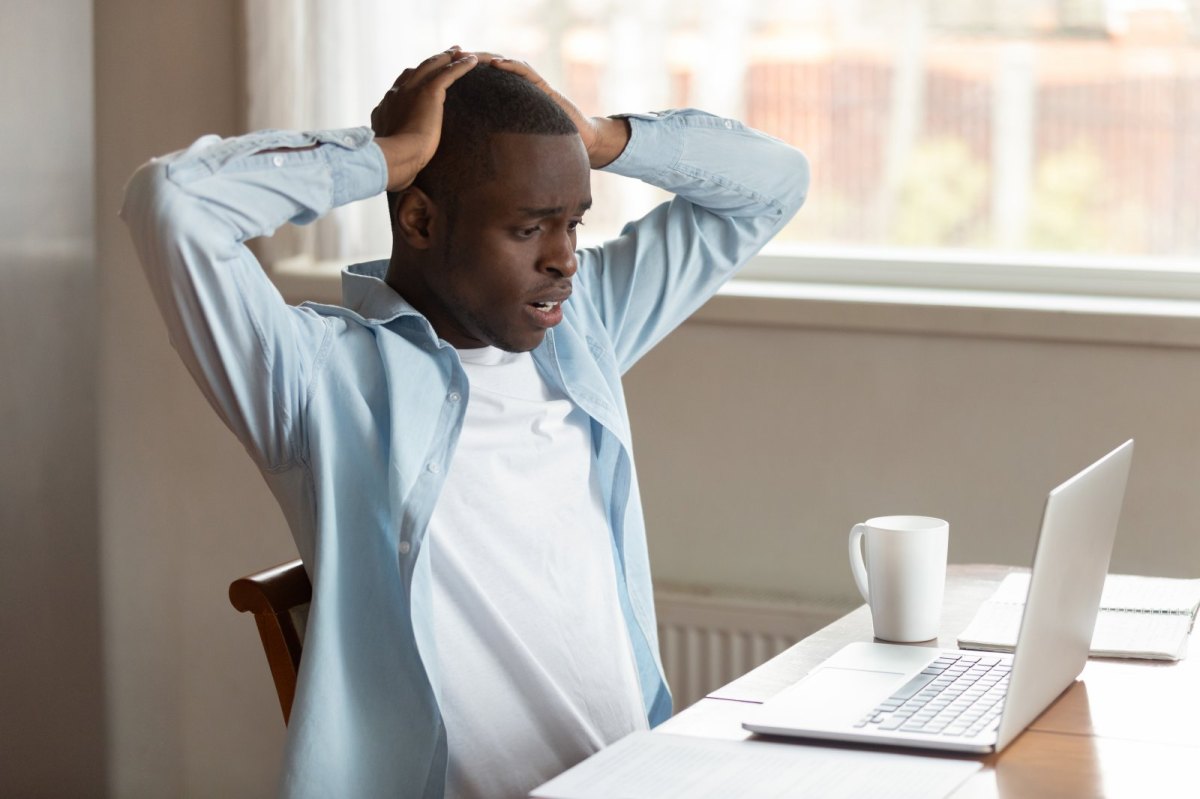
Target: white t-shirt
[535,661]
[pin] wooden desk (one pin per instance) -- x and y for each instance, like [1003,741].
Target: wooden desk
[1126,728]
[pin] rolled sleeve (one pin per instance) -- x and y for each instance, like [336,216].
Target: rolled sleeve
[189,215]
[734,188]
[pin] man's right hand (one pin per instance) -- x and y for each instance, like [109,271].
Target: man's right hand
[408,120]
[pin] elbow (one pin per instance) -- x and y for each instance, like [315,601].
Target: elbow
[144,193]
[799,176]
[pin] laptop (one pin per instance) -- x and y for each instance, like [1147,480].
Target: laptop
[966,701]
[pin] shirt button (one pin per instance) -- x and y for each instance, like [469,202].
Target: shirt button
[433,468]
[405,547]
[454,396]
[728,124]
[277,160]
[348,140]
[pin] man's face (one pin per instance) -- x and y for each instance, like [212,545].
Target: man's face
[502,269]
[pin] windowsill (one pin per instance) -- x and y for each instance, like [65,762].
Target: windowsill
[975,313]
[986,313]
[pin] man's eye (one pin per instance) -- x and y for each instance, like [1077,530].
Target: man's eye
[574,223]
[528,232]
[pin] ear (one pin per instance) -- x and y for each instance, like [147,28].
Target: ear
[413,217]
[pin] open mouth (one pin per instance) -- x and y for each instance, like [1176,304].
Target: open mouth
[546,307]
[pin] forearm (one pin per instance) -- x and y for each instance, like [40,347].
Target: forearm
[719,164]
[402,158]
[255,183]
[612,136]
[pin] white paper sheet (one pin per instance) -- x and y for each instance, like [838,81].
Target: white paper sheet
[651,765]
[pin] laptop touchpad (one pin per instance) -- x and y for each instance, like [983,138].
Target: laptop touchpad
[832,694]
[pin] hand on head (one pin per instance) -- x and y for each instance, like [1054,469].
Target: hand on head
[603,137]
[407,122]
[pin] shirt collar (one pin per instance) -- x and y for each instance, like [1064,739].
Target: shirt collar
[365,292]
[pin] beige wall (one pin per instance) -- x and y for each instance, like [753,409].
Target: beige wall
[51,702]
[191,710]
[757,447]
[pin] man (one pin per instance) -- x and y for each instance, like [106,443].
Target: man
[451,448]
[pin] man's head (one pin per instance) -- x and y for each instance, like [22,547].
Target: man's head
[483,102]
[484,239]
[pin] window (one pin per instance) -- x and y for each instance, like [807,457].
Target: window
[1055,132]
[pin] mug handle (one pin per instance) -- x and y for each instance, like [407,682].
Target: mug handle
[856,561]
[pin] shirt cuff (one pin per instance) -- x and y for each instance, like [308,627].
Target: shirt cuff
[656,140]
[358,165]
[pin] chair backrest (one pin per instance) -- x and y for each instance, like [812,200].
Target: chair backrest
[279,598]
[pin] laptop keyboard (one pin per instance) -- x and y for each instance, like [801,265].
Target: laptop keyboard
[957,695]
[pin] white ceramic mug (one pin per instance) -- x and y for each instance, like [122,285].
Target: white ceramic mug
[904,576]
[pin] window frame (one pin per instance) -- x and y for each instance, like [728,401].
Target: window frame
[993,271]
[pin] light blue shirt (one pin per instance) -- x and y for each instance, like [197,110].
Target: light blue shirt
[352,413]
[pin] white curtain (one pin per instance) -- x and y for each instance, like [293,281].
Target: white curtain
[314,64]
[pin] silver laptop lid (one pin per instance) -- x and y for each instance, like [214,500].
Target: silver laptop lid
[1079,525]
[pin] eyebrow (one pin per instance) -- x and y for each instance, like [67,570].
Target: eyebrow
[538,213]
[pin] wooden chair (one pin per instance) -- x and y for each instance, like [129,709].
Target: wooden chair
[278,597]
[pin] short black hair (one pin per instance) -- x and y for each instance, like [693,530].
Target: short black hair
[481,103]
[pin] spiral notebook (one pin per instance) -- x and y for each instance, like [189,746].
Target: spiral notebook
[1140,617]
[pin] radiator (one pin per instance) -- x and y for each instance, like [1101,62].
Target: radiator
[707,639]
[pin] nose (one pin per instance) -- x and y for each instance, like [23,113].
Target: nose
[558,257]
